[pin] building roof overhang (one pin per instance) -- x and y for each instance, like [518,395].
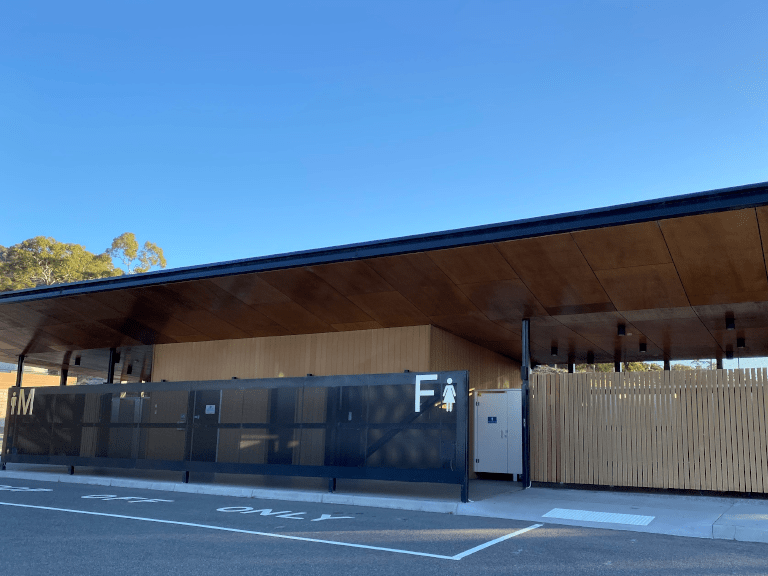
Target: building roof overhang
[669,271]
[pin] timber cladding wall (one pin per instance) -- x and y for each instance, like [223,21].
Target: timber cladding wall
[358,352]
[487,370]
[693,430]
[379,351]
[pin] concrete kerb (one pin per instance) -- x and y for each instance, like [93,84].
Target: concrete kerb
[747,524]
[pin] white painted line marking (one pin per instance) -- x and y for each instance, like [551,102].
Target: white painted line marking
[606,517]
[24,489]
[283,536]
[492,542]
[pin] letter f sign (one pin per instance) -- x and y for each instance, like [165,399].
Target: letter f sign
[420,392]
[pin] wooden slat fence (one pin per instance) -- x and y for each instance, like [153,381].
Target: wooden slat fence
[694,430]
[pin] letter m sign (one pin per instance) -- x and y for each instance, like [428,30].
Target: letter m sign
[21,403]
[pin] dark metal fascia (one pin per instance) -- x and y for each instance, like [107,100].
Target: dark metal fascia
[725,199]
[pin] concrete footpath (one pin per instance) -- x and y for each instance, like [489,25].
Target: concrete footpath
[727,518]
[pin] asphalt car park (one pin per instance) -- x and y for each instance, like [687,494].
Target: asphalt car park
[55,528]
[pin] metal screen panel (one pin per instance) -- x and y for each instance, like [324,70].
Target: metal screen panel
[407,426]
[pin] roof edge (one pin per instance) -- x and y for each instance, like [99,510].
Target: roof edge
[720,200]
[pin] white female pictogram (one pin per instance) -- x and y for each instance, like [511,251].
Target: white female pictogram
[449,395]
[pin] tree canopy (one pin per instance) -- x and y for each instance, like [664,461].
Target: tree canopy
[126,249]
[43,261]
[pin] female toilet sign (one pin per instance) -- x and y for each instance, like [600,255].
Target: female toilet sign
[449,392]
[449,395]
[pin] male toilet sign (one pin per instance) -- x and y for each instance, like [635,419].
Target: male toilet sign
[449,395]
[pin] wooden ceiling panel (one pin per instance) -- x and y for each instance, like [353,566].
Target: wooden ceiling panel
[755,338]
[602,331]
[208,324]
[509,348]
[762,222]
[472,264]
[56,312]
[683,338]
[643,287]
[390,309]
[561,293]
[19,315]
[316,295]
[372,325]
[86,308]
[294,318]
[504,300]
[719,256]
[250,289]
[621,246]
[659,314]
[473,327]
[422,282]
[745,315]
[351,278]
[555,272]
[546,333]
[542,255]
[112,304]
[232,310]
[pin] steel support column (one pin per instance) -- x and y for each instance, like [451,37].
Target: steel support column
[111,368]
[63,379]
[19,370]
[719,363]
[524,374]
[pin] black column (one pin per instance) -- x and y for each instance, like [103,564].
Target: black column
[111,369]
[617,366]
[64,374]
[719,363]
[571,367]
[19,370]
[666,364]
[524,373]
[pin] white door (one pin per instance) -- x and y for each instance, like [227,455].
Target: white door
[491,413]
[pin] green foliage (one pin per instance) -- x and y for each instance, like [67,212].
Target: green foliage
[641,367]
[42,261]
[126,249]
[594,367]
[627,366]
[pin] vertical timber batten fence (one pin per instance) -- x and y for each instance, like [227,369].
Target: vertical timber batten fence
[408,426]
[691,430]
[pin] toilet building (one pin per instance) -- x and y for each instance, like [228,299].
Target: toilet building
[672,279]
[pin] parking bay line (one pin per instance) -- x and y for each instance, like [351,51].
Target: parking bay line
[284,536]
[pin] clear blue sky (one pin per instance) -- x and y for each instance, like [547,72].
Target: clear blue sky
[223,130]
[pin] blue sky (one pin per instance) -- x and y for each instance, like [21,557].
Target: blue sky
[237,129]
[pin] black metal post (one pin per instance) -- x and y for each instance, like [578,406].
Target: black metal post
[111,368]
[571,367]
[524,374]
[719,363]
[617,366]
[666,364]
[331,484]
[64,374]
[19,370]
[462,431]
